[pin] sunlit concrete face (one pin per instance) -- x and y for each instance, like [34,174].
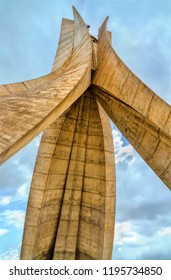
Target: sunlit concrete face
[71,207]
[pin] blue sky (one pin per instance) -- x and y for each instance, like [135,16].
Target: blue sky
[29,32]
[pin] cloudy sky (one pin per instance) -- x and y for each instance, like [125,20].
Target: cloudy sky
[29,32]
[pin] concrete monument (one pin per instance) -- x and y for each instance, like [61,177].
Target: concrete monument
[71,207]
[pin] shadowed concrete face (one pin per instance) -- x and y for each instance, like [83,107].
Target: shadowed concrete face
[71,207]
[73,188]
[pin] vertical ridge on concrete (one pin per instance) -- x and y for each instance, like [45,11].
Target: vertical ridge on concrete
[110,189]
[73,188]
[42,209]
[95,239]
[66,238]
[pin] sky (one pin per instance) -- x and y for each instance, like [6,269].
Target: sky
[141,36]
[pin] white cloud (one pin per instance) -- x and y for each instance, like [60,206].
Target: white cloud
[120,230]
[11,254]
[165,231]
[122,152]
[21,194]
[15,217]
[3,231]
[124,233]
[5,200]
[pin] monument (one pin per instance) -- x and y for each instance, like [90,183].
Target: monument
[71,206]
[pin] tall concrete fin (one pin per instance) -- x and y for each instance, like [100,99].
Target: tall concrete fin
[71,206]
[65,45]
[142,116]
[24,115]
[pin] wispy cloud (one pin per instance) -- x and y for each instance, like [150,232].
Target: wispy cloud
[125,233]
[13,217]
[21,194]
[123,153]
[5,200]
[165,231]
[3,231]
[11,254]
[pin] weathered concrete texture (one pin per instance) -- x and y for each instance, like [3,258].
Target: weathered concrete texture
[71,206]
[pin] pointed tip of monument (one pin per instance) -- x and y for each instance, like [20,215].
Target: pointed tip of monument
[106,21]
[75,12]
[104,25]
[74,9]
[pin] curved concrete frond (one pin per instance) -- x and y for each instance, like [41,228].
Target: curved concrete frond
[142,116]
[25,115]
